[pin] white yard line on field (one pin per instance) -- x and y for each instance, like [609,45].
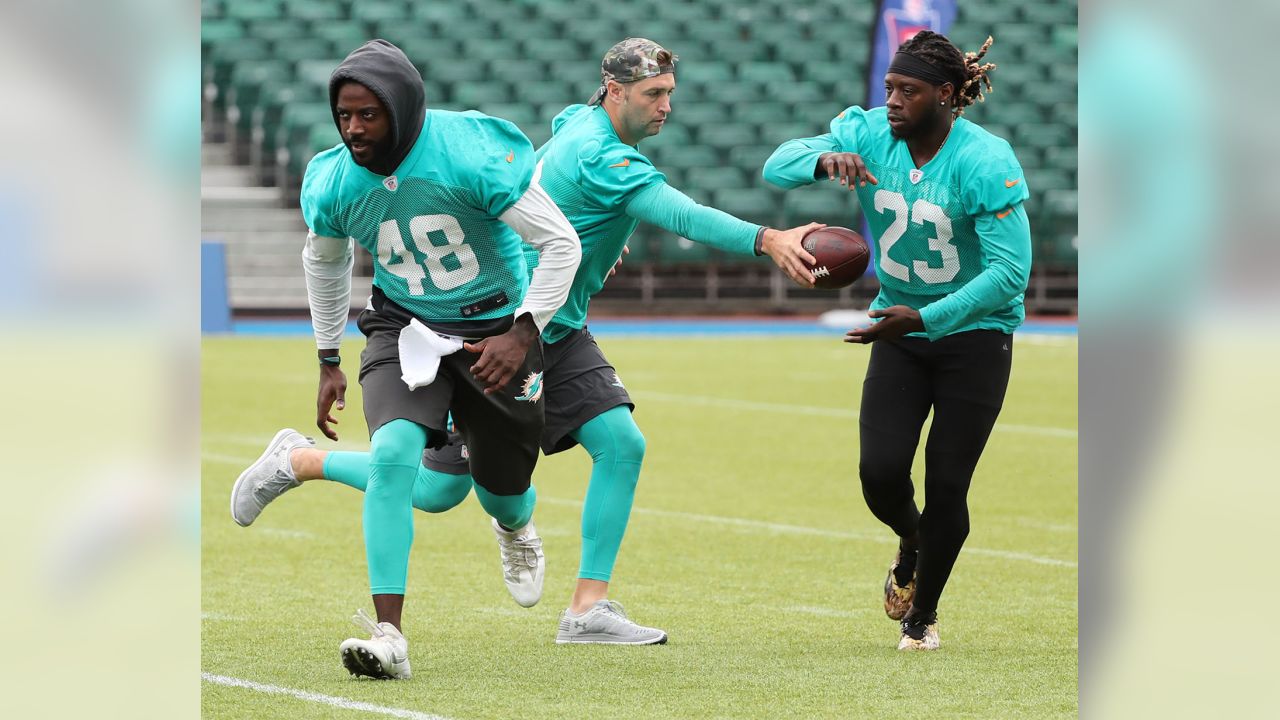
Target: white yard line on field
[330,700]
[819,411]
[885,538]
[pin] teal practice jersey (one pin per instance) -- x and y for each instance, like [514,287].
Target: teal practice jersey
[441,252]
[938,228]
[592,176]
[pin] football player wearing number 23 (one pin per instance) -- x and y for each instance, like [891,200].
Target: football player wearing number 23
[943,198]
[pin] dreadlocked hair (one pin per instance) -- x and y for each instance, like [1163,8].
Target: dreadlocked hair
[970,73]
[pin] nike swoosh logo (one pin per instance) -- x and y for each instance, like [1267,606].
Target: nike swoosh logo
[1011,183]
[624,163]
[511,156]
[1004,214]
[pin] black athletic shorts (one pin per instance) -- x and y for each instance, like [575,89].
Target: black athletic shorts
[579,385]
[501,430]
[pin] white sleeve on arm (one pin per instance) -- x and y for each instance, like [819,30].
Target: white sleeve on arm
[327,263]
[541,224]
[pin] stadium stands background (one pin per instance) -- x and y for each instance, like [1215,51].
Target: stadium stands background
[751,75]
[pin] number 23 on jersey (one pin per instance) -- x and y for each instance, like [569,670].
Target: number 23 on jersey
[920,212]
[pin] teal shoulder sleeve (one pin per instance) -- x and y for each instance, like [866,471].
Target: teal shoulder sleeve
[990,177]
[612,174]
[491,156]
[319,196]
[672,210]
[1005,238]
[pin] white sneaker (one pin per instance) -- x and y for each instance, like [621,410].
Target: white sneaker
[385,655]
[523,565]
[607,624]
[269,477]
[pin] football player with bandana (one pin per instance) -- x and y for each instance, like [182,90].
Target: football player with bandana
[594,171]
[446,202]
[944,200]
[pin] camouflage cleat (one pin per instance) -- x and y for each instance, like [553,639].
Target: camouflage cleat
[897,598]
[920,633]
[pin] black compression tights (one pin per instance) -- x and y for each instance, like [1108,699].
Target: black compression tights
[962,378]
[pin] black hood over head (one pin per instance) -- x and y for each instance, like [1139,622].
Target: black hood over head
[387,72]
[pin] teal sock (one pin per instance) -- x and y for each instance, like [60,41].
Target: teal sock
[394,458]
[349,468]
[511,511]
[617,451]
[433,491]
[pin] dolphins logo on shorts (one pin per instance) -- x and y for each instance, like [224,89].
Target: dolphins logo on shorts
[531,391]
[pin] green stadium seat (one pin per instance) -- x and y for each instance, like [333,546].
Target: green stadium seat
[465,29]
[750,159]
[275,29]
[246,83]
[1023,35]
[1065,113]
[982,16]
[254,9]
[1050,93]
[375,10]
[1061,158]
[707,71]
[481,49]
[316,71]
[800,53]
[674,250]
[724,136]
[674,138]
[210,9]
[595,34]
[541,91]
[1045,135]
[301,48]
[429,54]
[757,205]
[779,133]
[222,59]
[766,72]
[693,156]
[824,202]
[550,50]
[761,113]
[316,9]
[728,93]
[441,12]
[220,30]
[697,114]
[843,78]
[716,178]
[344,36]
[473,94]
[517,71]
[452,73]
[1050,13]
[1042,180]
[795,93]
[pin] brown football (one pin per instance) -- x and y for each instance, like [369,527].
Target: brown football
[841,254]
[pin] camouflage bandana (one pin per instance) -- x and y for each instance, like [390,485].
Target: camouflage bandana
[631,60]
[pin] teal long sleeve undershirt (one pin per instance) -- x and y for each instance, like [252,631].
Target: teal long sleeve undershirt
[792,165]
[672,210]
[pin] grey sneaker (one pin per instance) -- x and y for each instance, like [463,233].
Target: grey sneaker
[267,478]
[606,623]
[385,655]
[523,564]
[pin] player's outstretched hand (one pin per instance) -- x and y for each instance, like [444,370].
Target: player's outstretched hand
[895,322]
[845,167]
[502,355]
[785,247]
[333,389]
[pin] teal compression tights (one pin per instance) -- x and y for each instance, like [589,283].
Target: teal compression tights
[433,491]
[394,455]
[617,451]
